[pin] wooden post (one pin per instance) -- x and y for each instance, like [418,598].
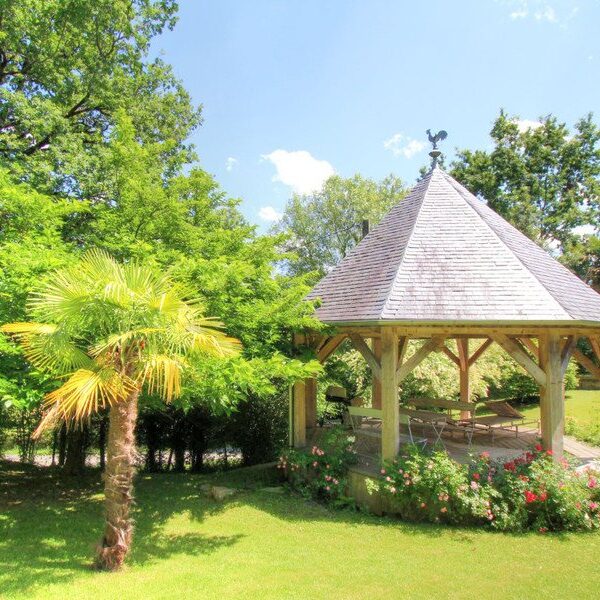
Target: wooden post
[463,366]
[311,402]
[552,405]
[390,436]
[376,389]
[299,414]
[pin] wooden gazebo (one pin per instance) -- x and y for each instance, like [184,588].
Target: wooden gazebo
[442,265]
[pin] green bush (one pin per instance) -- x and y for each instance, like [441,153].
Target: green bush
[321,473]
[532,492]
[435,488]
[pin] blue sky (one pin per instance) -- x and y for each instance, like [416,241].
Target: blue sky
[296,90]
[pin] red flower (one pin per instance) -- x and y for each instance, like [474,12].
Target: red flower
[510,466]
[543,496]
[476,476]
[538,447]
[549,452]
[530,497]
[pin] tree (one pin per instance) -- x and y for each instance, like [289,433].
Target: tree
[114,330]
[545,180]
[66,68]
[324,226]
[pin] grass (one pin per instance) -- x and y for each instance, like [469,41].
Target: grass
[263,545]
[581,405]
[582,411]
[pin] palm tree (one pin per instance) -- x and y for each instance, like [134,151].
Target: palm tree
[111,331]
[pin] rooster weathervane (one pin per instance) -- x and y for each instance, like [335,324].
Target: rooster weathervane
[434,139]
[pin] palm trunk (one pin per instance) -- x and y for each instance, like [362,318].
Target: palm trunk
[118,484]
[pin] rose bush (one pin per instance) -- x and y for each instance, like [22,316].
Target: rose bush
[321,473]
[531,492]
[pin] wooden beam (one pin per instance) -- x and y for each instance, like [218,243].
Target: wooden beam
[514,349]
[299,414]
[310,399]
[595,342]
[390,434]
[552,406]
[417,358]
[367,354]
[376,385]
[531,346]
[486,344]
[567,351]
[587,363]
[463,367]
[329,347]
[402,348]
[451,355]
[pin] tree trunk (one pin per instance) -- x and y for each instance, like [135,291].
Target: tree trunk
[76,449]
[102,441]
[118,484]
[62,445]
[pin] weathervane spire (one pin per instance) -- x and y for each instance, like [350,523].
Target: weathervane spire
[434,139]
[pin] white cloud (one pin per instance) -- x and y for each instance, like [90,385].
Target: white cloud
[541,10]
[268,213]
[230,163]
[526,124]
[300,170]
[400,144]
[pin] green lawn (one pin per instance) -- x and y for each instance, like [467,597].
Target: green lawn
[265,545]
[582,405]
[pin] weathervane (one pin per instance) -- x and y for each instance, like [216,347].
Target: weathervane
[434,139]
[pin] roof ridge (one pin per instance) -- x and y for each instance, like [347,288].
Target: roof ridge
[460,190]
[429,177]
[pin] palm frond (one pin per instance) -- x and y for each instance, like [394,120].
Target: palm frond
[205,336]
[119,340]
[48,347]
[23,329]
[84,393]
[162,374]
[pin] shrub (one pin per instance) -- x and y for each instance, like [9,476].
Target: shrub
[532,492]
[321,472]
[435,488]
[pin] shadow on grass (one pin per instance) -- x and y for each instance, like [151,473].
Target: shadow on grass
[50,524]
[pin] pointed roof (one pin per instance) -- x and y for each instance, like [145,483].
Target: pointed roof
[442,255]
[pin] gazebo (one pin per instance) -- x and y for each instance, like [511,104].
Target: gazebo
[443,265]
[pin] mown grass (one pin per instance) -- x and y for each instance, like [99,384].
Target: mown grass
[582,411]
[264,545]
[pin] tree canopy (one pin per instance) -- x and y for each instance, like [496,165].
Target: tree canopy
[545,180]
[324,226]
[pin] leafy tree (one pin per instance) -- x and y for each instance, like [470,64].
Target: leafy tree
[323,227]
[545,180]
[65,69]
[115,330]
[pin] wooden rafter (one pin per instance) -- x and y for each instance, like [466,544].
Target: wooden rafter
[329,347]
[402,348]
[567,351]
[518,353]
[484,346]
[531,346]
[417,358]
[587,363]
[367,354]
[450,355]
[595,342]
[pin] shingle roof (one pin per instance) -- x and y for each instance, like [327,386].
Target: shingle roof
[443,255]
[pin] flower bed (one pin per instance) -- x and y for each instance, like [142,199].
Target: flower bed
[532,492]
[321,472]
